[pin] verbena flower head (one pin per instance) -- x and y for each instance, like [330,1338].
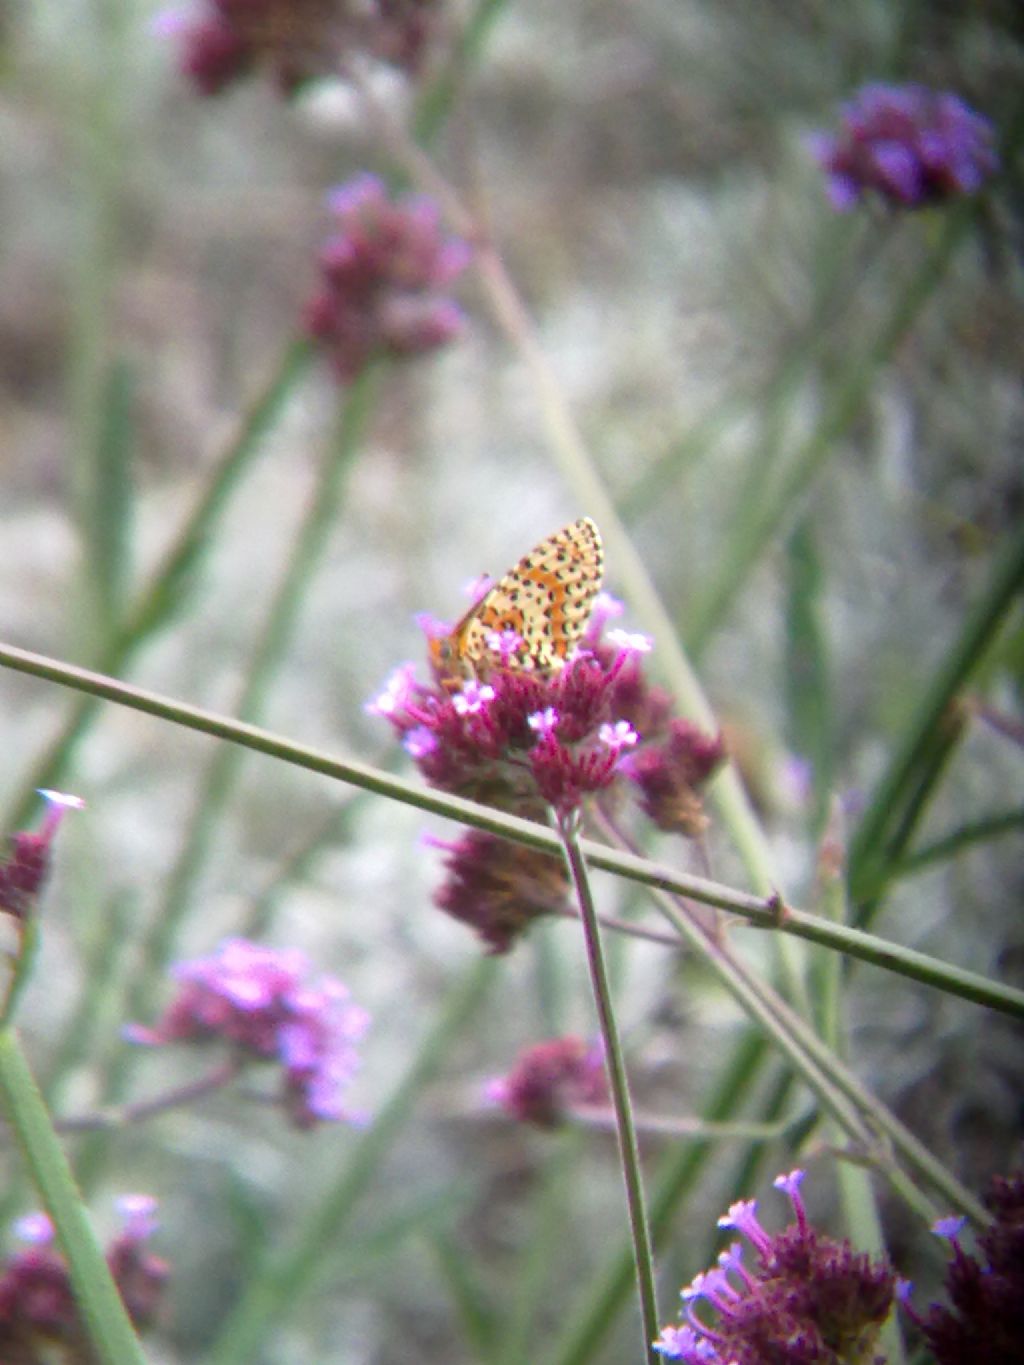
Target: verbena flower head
[529,740]
[805,1299]
[517,740]
[384,277]
[25,869]
[39,1318]
[984,1318]
[498,888]
[295,41]
[524,740]
[263,1002]
[669,776]
[550,1079]
[138,1274]
[911,145]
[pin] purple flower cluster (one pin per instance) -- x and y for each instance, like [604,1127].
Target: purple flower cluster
[550,1079]
[497,887]
[809,1301]
[985,1319]
[384,274]
[22,875]
[297,40]
[260,1000]
[668,776]
[39,1319]
[519,740]
[911,145]
[526,741]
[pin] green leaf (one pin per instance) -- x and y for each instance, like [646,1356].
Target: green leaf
[806,673]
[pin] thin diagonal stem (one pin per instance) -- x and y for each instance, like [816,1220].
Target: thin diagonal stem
[277,626]
[111,1334]
[629,1151]
[769,912]
[165,591]
[120,1116]
[855,1108]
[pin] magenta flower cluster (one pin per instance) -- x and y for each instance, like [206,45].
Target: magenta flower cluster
[809,1300]
[263,1003]
[23,872]
[294,41]
[383,278]
[550,1079]
[911,145]
[39,1318]
[984,1316]
[526,742]
[498,888]
[535,740]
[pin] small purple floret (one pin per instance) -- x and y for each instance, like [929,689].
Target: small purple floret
[911,145]
[262,1002]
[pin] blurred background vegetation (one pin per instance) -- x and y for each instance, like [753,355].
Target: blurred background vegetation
[812,428]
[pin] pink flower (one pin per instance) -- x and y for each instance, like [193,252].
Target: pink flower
[384,277]
[296,41]
[911,145]
[263,1003]
[22,875]
[549,1079]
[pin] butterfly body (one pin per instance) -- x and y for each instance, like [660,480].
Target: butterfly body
[533,617]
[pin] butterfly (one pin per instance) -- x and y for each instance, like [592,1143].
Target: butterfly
[531,619]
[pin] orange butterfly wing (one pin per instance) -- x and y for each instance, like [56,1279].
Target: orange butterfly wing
[546,600]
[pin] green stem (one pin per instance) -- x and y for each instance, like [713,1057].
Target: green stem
[96,132]
[170,582]
[833,901]
[582,475]
[759,1002]
[860,1113]
[763,912]
[857,1194]
[96,1294]
[307,549]
[629,1151]
[24,961]
[699,1130]
[433,107]
[984,621]
[981,831]
[803,1041]
[588,1328]
[846,404]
